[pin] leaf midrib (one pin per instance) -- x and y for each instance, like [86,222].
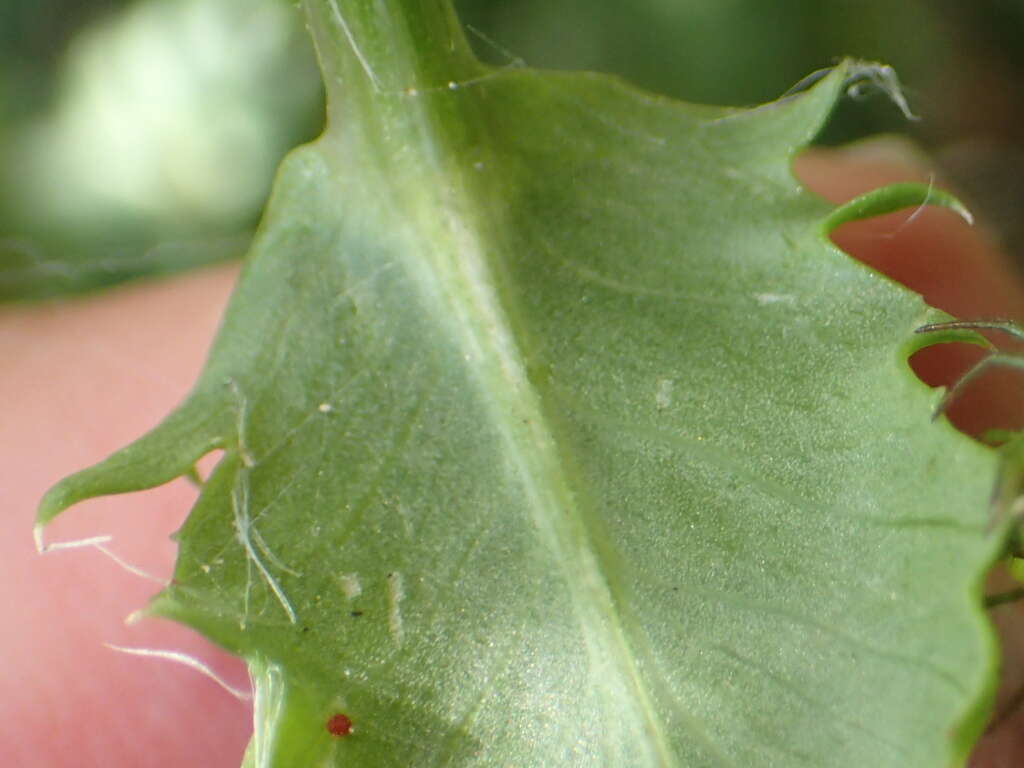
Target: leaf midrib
[493,346]
[410,139]
[461,269]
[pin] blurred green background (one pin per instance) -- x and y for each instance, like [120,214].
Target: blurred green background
[141,138]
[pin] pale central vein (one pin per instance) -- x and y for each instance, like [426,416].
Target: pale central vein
[491,349]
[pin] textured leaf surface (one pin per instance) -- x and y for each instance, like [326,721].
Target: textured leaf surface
[556,432]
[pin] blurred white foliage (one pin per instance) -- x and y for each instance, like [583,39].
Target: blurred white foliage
[174,112]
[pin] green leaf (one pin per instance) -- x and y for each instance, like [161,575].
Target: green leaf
[557,433]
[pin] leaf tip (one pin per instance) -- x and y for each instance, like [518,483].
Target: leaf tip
[54,501]
[862,76]
[940,328]
[38,538]
[892,198]
[962,211]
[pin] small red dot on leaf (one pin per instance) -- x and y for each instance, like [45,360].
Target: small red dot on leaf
[340,725]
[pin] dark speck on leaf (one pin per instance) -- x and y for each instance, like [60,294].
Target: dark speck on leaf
[357,614]
[339,725]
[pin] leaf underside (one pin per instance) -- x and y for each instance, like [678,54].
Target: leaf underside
[560,434]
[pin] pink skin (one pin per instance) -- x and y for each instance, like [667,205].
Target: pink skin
[83,378]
